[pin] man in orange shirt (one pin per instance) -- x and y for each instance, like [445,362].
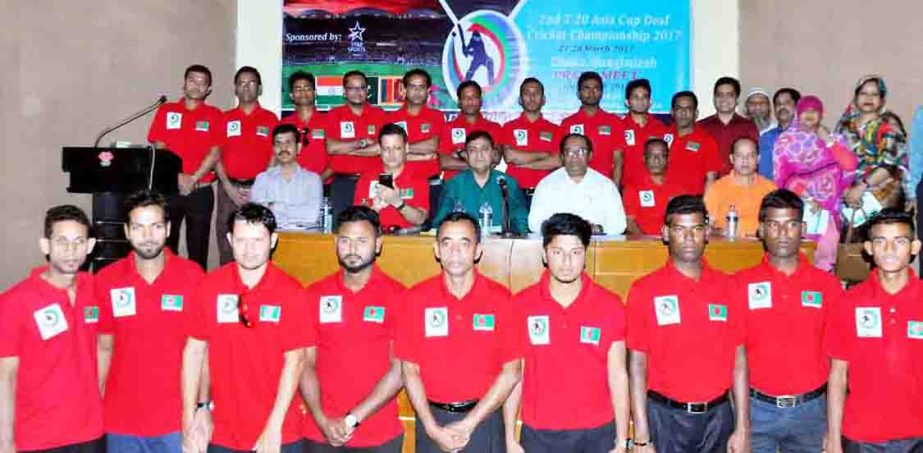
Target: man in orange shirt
[743,189]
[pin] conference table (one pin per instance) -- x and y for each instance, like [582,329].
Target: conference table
[613,262]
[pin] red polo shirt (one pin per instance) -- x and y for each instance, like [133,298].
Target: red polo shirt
[190,134]
[647,202]
[881,336]
[149,336]
[786,316]
[57,388]
[460,345]
[245,364]
[692,156]
[345,126]
[726,134]
[539,136]
[457,130]
[413,187]
[354,335]
[577,338]
[690,331]
[246,146]
[313,156]
[426,124]
[635,138]
[606,132]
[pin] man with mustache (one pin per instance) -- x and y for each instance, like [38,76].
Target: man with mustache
[292,193]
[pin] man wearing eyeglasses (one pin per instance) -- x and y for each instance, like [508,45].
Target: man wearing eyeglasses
[353,129]
[250,318]
[577,189]
[422,124]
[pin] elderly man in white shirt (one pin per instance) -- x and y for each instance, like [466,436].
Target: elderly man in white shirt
[293,194]
[577,189]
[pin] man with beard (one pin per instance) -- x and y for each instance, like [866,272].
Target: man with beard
[758,109]
[49,392]
[292,193]
[455,134]
[602,128]
[143,303]
[783,105]
[351,380]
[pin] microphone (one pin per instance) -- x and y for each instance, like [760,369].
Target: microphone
[160,101]
[505,224]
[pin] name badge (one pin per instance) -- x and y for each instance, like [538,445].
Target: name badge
[91,315]
[436,321]
[590,335]
[630,137]
[813,299]
[270,313]
[226,307]
[667,310]
[403,125]
[171,302]
[174,120]
[483,322]
[646,197]
[576,129]
[759,295]
[123,302]
[539,330]
[50,321]
[374,313]
[233,128]
[458,136]
[868,322]
[522,137]
[669,139]
[915,330]
[718,312]
[347,129]
[331,309]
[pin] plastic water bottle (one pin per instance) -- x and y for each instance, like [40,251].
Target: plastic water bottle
[732,222]
[486,214]
[326,216]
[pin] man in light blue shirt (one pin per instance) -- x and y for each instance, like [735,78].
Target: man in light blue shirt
[783,105]
[292,193]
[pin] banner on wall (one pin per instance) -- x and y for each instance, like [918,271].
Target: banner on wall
[496,43]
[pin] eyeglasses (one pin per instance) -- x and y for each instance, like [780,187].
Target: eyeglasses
[576,152]
[362,88]
[243,312]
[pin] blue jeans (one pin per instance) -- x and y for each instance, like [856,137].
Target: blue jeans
[914,445]
[788,429]
[121,443]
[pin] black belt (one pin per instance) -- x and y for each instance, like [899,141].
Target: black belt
[787,401]
[459,407]
[692,408]
[242,182]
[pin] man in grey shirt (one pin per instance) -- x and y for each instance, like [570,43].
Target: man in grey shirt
[292,193]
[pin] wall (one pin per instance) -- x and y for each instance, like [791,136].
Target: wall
[70,68]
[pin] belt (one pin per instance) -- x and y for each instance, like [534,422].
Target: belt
[459,407]
[242,182]
[788,401]
[692,408]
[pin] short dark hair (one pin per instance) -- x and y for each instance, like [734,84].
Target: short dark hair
[358,213]
[566,224]
[64,213]
[531,80]
[795,94]
[253,213]
[286,129]
[656,140]
[478,135]
[892,216]
[467,84]
[144,198]
[301,75]
[726,80]
[460,216]
[685,94]
[685,204]
[250,69]
[589,75]
[589,143]
[637,83]
[392,129]
[781,199]
[417,72]
[355,73]
[201,69]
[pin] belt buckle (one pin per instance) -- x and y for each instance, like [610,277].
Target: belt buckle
[784,402]
[696,408]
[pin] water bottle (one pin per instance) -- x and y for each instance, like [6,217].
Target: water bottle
[486,212]
[326,216]
[732,222]
[459,207]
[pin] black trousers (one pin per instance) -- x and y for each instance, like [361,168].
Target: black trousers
[92,446]
[392,446]
[488,437]
[196,210]
[914,445]
[594,440]
[292,447]
[677,431]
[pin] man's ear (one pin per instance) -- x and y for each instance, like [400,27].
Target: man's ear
[45,245]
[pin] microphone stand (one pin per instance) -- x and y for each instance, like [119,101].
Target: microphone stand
[160,101]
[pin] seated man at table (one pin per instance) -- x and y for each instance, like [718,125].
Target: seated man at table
[292,193]
[742,189]
[480,188]
[400,197]
[647,194]
[578,189]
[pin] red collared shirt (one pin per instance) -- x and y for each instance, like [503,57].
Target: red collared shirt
[313,156]
[345,126]
[190,134]
[426,124]
[647,202]
[786,316]
[57,388]
[880,335]
[460,345]
[246,143]
[539,136]
[245,364]
[576,338]
[354,335]
[692,157]
[413,187]
[147,324]
[606,132]
[689,329]
[726,134]
[457,130]
[636,136]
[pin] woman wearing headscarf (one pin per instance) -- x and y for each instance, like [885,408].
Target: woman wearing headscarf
[819,167]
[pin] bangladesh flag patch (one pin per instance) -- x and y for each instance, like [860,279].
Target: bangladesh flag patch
[171,302]
[201,126]
[270,313]
[717,312]
[483,322]
[590,335]
[91,315]
[374,314]
[262,131]
[605,130]
[317,133]
[545,136]
[371,129]
[812,299]
[915,330]
[425,128]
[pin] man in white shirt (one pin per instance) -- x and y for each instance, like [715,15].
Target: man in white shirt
[577,189]
[292,193]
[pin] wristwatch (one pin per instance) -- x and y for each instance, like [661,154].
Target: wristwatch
[351,420]
[207,405]
[363,143]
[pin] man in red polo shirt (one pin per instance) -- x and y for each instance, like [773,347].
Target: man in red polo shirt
[726,126]
[567,321]
[875,339]
[646,197]
[351,381]
[406,202]
[143,301]
[604,129]
[249,316]
[311,124]
[469,119]
[640,126]
[246,150]
[788,367]
[49,391]
[423,124]
[694,160]
[192,130]
[685,336]
[530,142]
[352,128]
[457,339]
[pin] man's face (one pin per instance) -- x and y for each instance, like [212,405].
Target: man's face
[416,92]
[531,97]
[456,247]
[147,231]
[251,244]
[565,256]
[784,108]
[869,99]
[480,155]
[357,246]
[725,98]
[197,86]
[393,151]
[639,100]
[356,89]
[655,158]
[470,101]
[286,146]
[576,156]
[744,158]
[247,88]
[686,236]
[303,93]
[684,112]
[67,247]
[892,246]
[757,106]
[781,232]
[590,92]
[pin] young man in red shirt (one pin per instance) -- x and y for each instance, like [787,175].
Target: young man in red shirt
[457,341]
[685,341]
[192,130]
[249,317]
[568,321]
[726,126]
[469,119]
[875,339]
[694,160]
[353,128]
[604,129]
[423,124]
[311,124]
[351,380]
[143,301]
[49,391]
[640,126]
[530,142]
[645,198]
